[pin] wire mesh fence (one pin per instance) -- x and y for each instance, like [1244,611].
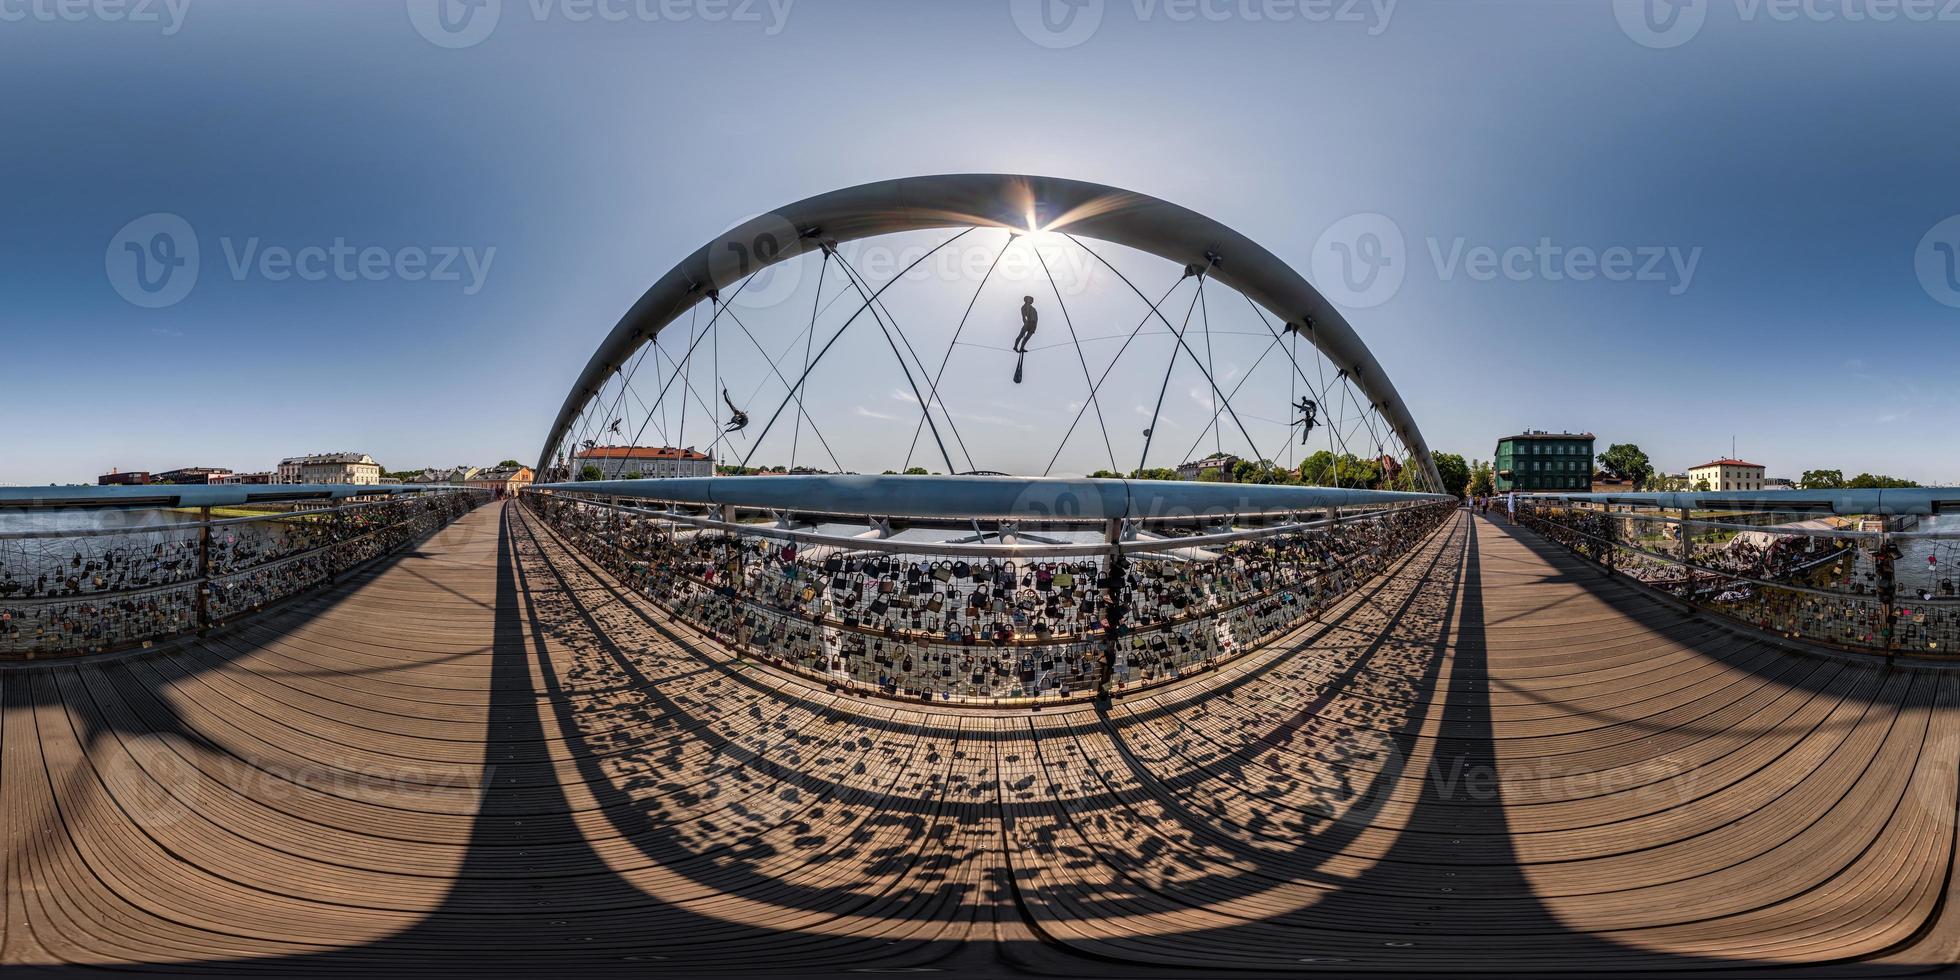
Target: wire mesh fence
[962,626]
[1875,584]
[89,580]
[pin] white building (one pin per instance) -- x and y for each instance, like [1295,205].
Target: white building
[650,462]
[1217,466]
[454,474]
[354,468]
[1726,474]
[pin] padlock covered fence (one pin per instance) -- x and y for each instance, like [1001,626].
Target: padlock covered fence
[987,591]
[1867,571]
[88,570]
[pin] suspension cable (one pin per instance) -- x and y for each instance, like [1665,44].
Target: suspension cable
[802,413]
[948,357]
[1151,432]
[809,336]
[1101,423]
[906,369]
[1105,373]
[833,340]
[1216,391]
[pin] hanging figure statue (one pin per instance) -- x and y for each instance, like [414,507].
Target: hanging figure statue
[737,419]
[1309,417]
[1028,318]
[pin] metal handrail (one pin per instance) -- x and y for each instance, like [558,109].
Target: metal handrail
[107,532]
[200,585]
[953,549]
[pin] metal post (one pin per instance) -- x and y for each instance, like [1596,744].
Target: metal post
[204,569]
[1888,590]
[1114,580]
[1612,539]
[336,535]
[735,562]
[613,556]
[1687,546]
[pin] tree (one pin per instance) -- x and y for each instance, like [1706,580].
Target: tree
[1701,485]
[1867,481]
[635,475]
[509,464]
[1822,480]
[915,471]
[590,471]
[1670,482]
[1455,473]
[1625,461]
[1482,482]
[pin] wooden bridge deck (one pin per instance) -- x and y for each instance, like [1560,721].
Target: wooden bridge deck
[484,756]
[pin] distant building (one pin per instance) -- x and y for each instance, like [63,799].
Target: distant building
[1221,467]
[1536,461]
[113,478]
[454,474]
[504,481]
[196,475]
[1726,474]
[1779,483]
[1391,469]
[650,462]
[255,478]
[1603,482]
[355,468]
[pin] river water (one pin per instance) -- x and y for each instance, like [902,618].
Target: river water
[91,518]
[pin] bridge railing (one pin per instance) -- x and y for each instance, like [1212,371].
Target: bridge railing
[1846,571]
[1011,609]
[86,570]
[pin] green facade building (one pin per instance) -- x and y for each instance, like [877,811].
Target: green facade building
[1535,461]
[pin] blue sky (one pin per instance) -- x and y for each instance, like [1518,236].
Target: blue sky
[1801,167]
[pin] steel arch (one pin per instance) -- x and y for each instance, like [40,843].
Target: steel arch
[1010,201]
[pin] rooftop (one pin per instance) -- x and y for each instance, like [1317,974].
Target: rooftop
[1542,434]
[318,458]
[1726,462]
